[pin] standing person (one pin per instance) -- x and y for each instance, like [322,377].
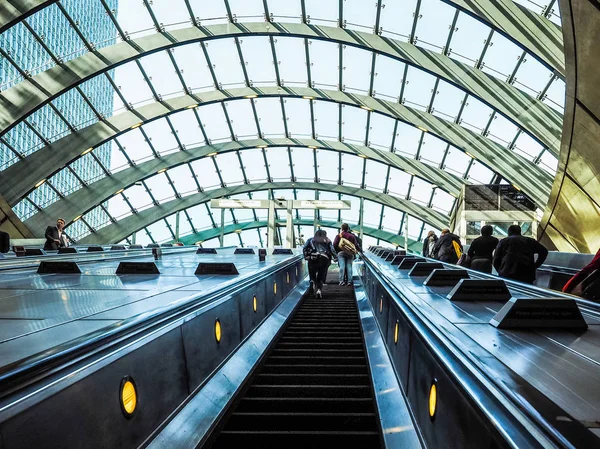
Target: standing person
[514,256]
[481,250]
[445,249]
[345,256]
[428,244]
[55,236]
[319,251]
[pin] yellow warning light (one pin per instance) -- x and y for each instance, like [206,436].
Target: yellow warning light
[218,330]
[128,396]
[396,330]
[433,400]
[287,278]
[274,288]
[381,305]
[254,304]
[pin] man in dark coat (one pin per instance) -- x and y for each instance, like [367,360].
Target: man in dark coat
[429,243]
[55,236]
[481,250]
[444,248]
[319,252]
[514,256]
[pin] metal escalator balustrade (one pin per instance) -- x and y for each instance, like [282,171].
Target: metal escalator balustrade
[314,388]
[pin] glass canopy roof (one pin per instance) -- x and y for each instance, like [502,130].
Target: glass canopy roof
[258,61]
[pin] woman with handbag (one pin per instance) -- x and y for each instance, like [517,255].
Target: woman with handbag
[319,252]
[347,246]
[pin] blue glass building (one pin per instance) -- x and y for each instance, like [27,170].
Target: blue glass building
[25,55]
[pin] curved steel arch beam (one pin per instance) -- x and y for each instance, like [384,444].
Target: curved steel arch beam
[13,11]
[212,233]
[18,179]
[116,232]
[531,31]
[94,194]
[534,116]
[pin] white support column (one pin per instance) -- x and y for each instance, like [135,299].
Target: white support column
[177,226]
[271,225]
[361,217]
[222,234]
[290,241]
[406,232]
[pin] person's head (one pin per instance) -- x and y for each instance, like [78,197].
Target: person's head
[514,230]
[445,231]
[487,230]
[431,234]
[320,235]
[345,227]
[60,223]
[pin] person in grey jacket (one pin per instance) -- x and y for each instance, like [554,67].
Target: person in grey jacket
[428,244]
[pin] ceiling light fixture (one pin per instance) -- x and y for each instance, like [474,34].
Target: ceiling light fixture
[137,125]
[250,96]
[119,191]
[192,106]
[423,129]
[211,154]
[40,183]
[87,151]
[366,108]
[162,170]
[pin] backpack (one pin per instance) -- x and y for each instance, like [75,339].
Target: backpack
[347,246]
[457,248]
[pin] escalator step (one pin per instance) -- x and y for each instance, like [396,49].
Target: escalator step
[305,360]
[315,369]
[312,391]
[306,405]
[311,379]
[298,439]
[301,421]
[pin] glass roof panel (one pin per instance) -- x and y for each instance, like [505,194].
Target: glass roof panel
[134,18]
[397,19]
[322,13]
[476,115]
[324,63]
[447,102]
[532,76]
[184,225]
[226,63]
[468,39]
[207,173]
[118,208]
[279,163]
[432,150]
[131,83]
[193,67]
[375,176]
[134,144]
[354,121]
[389,76]
[407,140]
[528,147]
[211,12]
[442,201]
[160,136]
[291,57]
[357,70]
[270,116]
[326,119]
[398,183]
[254,165]
[350,215]
[285,10]
[297,111]
[555,97]
[171,14]
[371,214]
[501,57]
[244,9]
[420,192]
[200,217]
[229,166]
[161,72]
[187,129]
[381,132]
[360,15]
[328,165]
[352,170]
[480,174]
[419,88]
[118,161]
[159,231]
[304,167]
[258,58]
[159,188]
[456,161]
[549,162]
[391,219]
[434,24]
[214,122]
[138,197]
[182,180]
[242,118]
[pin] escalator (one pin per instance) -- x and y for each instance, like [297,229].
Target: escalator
[314,388]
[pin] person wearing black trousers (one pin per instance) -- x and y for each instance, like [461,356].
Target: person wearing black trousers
[319,252]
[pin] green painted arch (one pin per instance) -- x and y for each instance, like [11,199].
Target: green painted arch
[18,179]
[92,195]
[207,234]
[116,232]
[535,117]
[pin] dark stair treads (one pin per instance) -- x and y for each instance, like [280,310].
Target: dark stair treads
[314,388]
